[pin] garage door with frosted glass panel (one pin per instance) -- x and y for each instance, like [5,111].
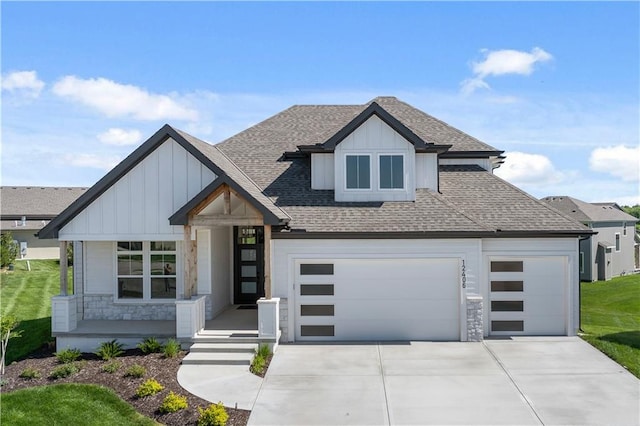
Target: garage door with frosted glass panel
[528,295]
[377,299]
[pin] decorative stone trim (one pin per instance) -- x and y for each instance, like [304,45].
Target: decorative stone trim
[103,308]
[475,326]
[284,319]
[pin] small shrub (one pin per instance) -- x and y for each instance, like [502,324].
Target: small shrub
[150,345]
[173,403]
[67,356]
[30,373]
[111,367]
[260,359]
[149,387]
[171,349]
[64,370]
[136,371]
[213,415]
[110,350]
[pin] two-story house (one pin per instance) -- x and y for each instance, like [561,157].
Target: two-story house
[610,252]
[343,222]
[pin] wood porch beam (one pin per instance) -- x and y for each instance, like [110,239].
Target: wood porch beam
[63,269]
[225,220]
[190,254]
[267,261]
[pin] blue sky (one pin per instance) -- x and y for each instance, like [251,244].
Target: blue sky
[555,85]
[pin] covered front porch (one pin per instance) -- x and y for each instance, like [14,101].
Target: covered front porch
[222,264]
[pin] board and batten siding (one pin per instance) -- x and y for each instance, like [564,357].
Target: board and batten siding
[427,171]
[99,272]
[322,171]
[139,204]
[375,137]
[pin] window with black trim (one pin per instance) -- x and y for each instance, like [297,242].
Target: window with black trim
[146,270]
[391,171]
[617,241]
[358,172]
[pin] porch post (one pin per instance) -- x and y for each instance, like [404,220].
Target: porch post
[189,256]
[63,268]
[267,261]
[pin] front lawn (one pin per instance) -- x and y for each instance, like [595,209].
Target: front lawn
[27,295]
[611,319]
[66,404]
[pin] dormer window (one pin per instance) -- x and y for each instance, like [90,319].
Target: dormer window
[358,171]
[391,171]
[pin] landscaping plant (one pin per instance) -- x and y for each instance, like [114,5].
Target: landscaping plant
[260,359]
[64,370]
[213,415]
[8,249]
[110,350]
[172,403]
[30,373]
[8,324]
[150,345]
[136,371]
[67,356]
[149,387]
[111,367]
[171,349]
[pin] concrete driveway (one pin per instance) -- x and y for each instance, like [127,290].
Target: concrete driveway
[523,381]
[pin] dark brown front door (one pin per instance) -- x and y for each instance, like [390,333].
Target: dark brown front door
[248,264]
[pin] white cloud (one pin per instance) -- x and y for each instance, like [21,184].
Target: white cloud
[123,100]
[24,82]
[524,168]
[91,160]
[501,62]
[619,161]
[120,137]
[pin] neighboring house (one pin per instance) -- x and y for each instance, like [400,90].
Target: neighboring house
[613,250]
[24,210]
[344,222]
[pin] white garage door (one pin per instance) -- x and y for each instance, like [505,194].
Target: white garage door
[377,299]
[528,295]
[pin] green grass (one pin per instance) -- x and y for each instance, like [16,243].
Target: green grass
[27,295]
[56,404]
[611,319]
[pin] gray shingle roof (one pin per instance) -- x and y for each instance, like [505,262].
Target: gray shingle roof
[36,201]
[588,212]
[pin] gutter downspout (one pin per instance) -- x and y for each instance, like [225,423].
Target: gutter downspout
[580,288]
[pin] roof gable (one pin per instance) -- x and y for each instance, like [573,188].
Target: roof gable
[208,155]
[589,212]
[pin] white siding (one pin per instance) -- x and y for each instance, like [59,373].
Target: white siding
[427,171]
[99,268]
[485,163]
[322,171]
[139,205]
[204,261]
[375,137]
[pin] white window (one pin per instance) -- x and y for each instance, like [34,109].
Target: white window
[617,241]
[391,171]
[358,172]
[146,270]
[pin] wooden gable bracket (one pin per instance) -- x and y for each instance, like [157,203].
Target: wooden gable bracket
[224,219]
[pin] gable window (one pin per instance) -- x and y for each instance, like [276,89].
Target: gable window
[146,270]
[617,241]
[624,228]
[358,172]
[391,172]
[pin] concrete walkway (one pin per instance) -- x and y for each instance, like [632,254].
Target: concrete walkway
[524,381]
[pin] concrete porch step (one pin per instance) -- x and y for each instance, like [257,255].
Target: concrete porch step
[224,346]
[218,358]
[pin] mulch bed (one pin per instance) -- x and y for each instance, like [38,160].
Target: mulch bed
[164,370]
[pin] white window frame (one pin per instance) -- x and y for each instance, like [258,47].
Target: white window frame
[358,154]
[618,245]
[404,177]
[146,272]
